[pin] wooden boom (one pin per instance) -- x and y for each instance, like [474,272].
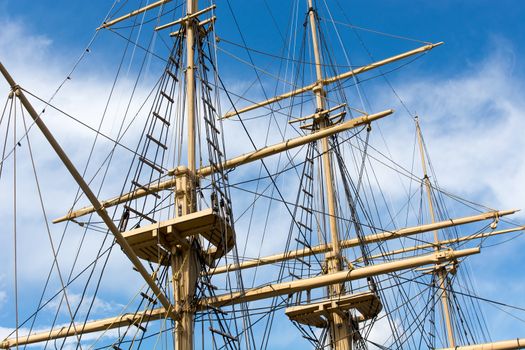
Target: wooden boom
[240,297]
[354,242]
[133,13]
[443,243]
[284,288]
[90,327]
[332,80]
[231,163]
[518,343]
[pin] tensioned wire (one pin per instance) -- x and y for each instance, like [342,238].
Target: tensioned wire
[77,196]
[15,238]
[443,212]
[402,102]
[272,109]
[42,207]
[244,127]
[275,175]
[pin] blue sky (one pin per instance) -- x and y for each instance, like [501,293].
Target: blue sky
[469,92]
[467,27]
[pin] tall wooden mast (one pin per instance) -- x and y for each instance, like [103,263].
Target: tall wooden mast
[441,271]
[339,324]
[184,259]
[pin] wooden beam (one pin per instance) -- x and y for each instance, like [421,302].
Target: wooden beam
[296,142]
[89,327]
[444,242]
[285,288]
[354,242]
[243,159]
[332,80]
[518,343]
[133,13]
[249,295]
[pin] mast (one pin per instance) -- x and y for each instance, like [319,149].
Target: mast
[184,263]
[338,323]
[441,271]
[191,7]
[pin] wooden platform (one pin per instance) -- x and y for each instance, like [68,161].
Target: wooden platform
[145,240]
[316,314]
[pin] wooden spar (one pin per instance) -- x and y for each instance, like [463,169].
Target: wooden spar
[184,261]
[440,272]
[445,242]
[349,243]
[232,163]
[90,327]
[333,278]
[101,211]
[339,328]
[518,343]
[296,142]
[133,13]
[332,80]
[249,295]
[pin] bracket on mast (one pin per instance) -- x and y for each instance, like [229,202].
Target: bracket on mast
[318,115]
[201,24]
[186,18]
[334,119]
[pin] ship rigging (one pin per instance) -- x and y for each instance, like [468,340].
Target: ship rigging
[340,268]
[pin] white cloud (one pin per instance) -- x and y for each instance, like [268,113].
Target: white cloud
[36,67]
[381,332]
[471,125]
[3,298]
[3,293]
[99,306]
